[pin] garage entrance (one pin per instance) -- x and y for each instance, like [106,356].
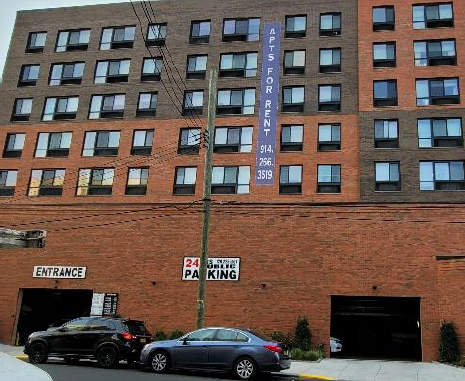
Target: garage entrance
[43,308]
[377,327]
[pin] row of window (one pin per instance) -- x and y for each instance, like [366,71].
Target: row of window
[241,29]
[434,175]
[226,140]
[436,15]
[225,180]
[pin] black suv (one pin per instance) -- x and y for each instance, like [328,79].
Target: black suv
[106,339]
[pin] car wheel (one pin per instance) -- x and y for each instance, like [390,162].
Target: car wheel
[107,357]
[38,353]
[245,368]
[71,360]
[159,362]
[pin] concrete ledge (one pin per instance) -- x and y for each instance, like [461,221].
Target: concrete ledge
[315,377]
[22,357]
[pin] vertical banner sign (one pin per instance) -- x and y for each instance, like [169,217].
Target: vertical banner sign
[269,98]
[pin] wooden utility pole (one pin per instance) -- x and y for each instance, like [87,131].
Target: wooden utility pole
[207,184]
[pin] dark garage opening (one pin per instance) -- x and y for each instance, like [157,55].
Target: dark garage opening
[43,308]
[377,327]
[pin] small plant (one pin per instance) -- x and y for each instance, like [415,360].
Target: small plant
[448,343]
[461,361]
[282,337]
[313,354]
[296,354]
[176,334]
[159,336]
[303,337]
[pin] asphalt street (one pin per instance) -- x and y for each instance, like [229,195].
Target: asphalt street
[89,371]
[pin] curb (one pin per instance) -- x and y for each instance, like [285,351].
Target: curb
[22,357]
[315,377]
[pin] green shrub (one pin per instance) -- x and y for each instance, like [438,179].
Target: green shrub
[296,354]
[176,334]
[282,337]
[313,354]
[461,362]
[159,336]
[448,343]
[303,337]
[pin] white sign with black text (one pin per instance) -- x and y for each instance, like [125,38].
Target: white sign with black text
[59,272]
[227,269]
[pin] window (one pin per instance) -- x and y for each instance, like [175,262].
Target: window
[440,132]
[230,335]
[101,143]
[441,175]
[7,182]
[70,40]
[241,29]
[142,142]
[117,38]
[200,32]
[101,325]
[47,182]
[330,60]
[95,181]
[296,26]
[385,93]
[293,99]
[434,53]
[156,34]
[77,324]
[383,18]
[433,16]
[29,75]
[236,101]
[294,62]
[193,103]
[66,74]
[329,179]
[14,145]
[151,69]
[137,181]
[329,98]
[107,106]
[290,179]
[21,110]
[189,141]
[292,138]
[196,67]
[53,144]
[184,182]
[384,54]
[238,65]
[230,180]
[386,133]
[60,108]
[202,335]
[329,137]
[36,42]
[233,139]
[330,24]
[439,91]
[112,71]
[147,104]
[387,177]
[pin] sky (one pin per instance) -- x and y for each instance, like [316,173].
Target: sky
[10,7]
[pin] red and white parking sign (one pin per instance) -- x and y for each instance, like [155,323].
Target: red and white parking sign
[217,268]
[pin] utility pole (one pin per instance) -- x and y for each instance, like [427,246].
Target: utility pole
[207,184]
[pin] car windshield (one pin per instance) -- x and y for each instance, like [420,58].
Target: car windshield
[136,327]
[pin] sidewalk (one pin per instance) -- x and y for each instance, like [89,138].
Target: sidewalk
[374,370]
[11,350]
[12,369]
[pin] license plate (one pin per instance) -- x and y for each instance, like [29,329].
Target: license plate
[143,341]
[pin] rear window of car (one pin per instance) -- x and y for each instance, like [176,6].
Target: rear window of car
[102,325]
[136,327]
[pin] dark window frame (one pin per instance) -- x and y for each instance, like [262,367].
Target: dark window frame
[199,39]
[291,146]
[231,147]
[140,189]
[101,151]
[156,41]
[72,47]
[386,25]
[27,82]
[331,105]
[386,142]
[13,153]
[50,190]
[234,109]
[441,141]
[388,185]
[295,34]
[183,189]
[145,150]
[435,23]
[288,187]
[333,31]
[196,74]
[57,116]
[8,190]
[93,189]
[287,70]
[386,62]
[333,68]
[226,188]
[151,77]
[440,100]
[66,80]
[443,185]
[293,106]
[112,78]
[389,101]
[35,49]
[55,152]
[436,61]
[107,113]
[125,44]
[240,36]
[20,117]
[194,110]
[147,112]
[188,149]
[329,187]
[332,145]
[237,72]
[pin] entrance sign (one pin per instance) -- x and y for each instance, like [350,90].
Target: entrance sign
[104,304]
[217,268]
[269,102]
[59,272]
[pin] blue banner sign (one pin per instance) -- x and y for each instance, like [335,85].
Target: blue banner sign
[269,99]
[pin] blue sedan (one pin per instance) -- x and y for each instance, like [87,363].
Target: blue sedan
[224,349]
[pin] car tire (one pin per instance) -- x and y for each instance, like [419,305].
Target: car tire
[74,360]
[107,357]
[38,353]
[159,362]
[245,368]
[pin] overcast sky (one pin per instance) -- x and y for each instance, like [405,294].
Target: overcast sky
[10,7]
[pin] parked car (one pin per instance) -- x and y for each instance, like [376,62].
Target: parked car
[108,340]
[336,345]
[243,352]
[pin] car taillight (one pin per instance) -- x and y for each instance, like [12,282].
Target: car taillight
[127,336]
[274,348]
